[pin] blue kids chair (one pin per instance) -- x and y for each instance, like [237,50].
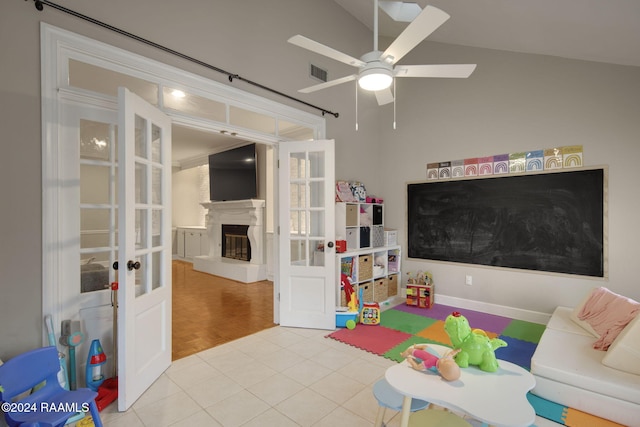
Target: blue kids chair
[48,406]
[387,397]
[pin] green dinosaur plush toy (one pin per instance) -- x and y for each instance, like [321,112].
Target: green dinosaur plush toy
[476,348]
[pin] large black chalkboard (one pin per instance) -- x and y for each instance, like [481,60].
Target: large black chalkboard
[548,221]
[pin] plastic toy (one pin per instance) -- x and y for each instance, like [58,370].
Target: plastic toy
[476,348]
[350,295]
[71,336]
[421,359]
[370,314]
[95,363]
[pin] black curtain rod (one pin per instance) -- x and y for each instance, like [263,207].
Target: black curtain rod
[40,6]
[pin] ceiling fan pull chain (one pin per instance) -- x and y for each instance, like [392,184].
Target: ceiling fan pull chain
[395,95]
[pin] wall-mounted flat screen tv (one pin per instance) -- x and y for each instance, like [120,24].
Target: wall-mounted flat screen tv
[233,174]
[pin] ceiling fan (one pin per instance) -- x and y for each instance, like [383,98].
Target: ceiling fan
[378,69]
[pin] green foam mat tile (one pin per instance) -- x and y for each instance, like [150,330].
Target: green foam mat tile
[525,331]
[405,322]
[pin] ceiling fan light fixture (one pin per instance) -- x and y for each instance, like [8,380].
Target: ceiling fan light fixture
[375,79]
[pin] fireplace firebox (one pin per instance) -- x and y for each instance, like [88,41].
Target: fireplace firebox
[235,242]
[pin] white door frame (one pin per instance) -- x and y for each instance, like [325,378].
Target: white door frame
[57,47]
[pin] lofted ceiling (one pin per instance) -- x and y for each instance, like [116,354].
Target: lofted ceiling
[593,30]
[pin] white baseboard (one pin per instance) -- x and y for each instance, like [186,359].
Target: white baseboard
[499,310]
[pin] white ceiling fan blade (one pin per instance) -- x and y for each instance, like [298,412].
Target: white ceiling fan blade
[384,96]
[426,23]
[461,71]
[328,84]
[401,11]
[327,51]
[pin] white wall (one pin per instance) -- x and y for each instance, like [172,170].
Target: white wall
[189,188]
[512,102]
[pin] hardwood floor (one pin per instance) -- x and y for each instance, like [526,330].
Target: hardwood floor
[210,310]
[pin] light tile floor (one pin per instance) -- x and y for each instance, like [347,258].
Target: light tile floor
[277,377]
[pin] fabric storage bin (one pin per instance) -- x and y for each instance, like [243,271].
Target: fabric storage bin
[380,290]
[365,267]
[343,298]
[365,237]
[377,236]
[392,285]
[352,239]
[352,215]
[367,291]
[377,215]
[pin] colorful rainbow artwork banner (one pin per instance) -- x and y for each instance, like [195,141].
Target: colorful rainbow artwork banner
[570,156]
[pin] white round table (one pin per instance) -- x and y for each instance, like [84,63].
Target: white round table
[496,398]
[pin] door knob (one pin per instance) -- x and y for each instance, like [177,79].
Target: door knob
[115,265]
[131,265]
[330,244]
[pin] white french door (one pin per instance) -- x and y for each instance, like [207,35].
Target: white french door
[144,258]
[306,234]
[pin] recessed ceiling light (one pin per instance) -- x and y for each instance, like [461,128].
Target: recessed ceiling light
[178,93]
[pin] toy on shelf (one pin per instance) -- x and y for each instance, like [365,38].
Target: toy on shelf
[344,192]
[476,348]
[421,359]
[359,192]
[421,278]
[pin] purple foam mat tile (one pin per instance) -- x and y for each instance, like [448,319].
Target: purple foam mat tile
[437,311]
[485,321]
[477,319]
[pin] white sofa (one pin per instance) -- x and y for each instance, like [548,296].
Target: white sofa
[569,371]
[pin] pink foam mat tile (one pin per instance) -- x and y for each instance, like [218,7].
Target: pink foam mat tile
[374,339]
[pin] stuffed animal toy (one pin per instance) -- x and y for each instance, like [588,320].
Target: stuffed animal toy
[421,360]
[476,348]
[359,192]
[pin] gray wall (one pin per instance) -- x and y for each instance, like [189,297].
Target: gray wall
[513,102]
[516,102]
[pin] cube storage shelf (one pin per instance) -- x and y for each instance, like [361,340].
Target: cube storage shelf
[375,270]
[370,261]
[360,224]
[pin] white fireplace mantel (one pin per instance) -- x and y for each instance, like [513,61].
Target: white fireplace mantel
[240,212]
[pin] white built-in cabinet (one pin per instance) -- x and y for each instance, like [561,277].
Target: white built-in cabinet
[191,242]
[372,260]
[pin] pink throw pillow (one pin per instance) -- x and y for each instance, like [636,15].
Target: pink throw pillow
[608,313]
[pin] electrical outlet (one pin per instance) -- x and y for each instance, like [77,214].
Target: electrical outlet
[468,280]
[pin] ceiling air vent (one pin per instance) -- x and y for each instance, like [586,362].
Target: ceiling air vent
[318,73]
